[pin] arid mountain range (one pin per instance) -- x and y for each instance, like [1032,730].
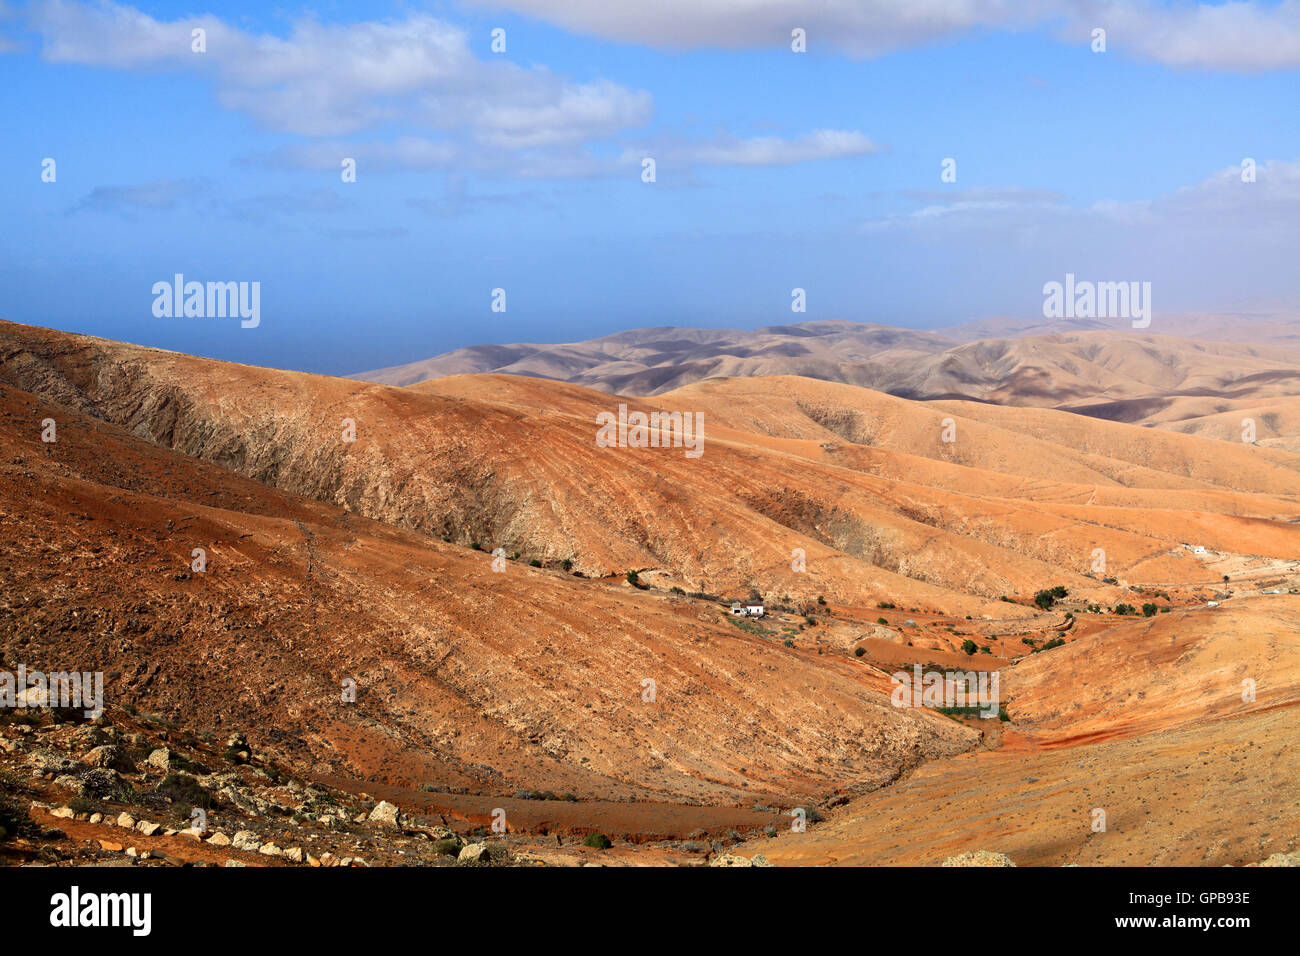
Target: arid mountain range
[1199,374]
[349,531]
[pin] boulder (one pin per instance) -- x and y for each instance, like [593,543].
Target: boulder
[126,821]
[385,814]
[48,761]
[111,756]
[481,853]
[439,833]
[87,738]
[160,759]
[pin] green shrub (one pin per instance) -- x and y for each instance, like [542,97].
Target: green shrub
[182,788]
[969,646]
[859,651]
[597,841]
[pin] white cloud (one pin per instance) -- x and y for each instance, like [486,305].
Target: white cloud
[333,80]
[1235,35]
[158,194]
[861,27]
[774,151]
[984,194]
[326,82]
[1220,203]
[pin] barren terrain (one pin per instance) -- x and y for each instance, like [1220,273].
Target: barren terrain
[589,676]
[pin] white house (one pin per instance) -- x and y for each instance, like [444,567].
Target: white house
[747,610]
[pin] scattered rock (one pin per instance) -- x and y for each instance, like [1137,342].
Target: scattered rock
[438,834]
[1280,859]
[979,858]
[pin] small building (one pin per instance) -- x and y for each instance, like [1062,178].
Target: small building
[747,610]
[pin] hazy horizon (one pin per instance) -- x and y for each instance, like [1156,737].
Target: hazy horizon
[522,170]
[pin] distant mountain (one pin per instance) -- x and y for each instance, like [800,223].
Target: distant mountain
[1104,372]
[649,361]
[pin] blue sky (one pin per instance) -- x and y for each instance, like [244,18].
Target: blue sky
[522,170]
